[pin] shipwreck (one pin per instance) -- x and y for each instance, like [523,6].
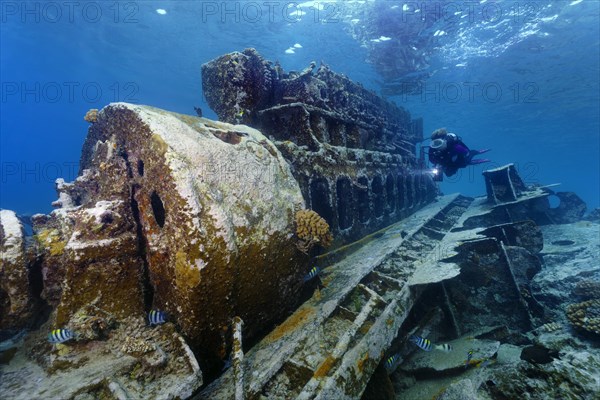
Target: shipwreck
[215,223]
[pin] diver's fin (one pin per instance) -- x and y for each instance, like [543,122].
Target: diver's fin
[479,161]
[481,151]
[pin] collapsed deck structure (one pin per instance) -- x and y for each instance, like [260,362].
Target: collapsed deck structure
[332,345]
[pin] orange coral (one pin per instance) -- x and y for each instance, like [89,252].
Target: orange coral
[91,116]
[312,229]
[585,315]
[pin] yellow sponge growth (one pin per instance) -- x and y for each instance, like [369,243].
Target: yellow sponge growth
[312,229]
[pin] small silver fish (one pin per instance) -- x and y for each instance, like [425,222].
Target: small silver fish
[312,273]
[60,335]
[423,343]
[156,317]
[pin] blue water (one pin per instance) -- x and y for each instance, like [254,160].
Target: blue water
[526,85]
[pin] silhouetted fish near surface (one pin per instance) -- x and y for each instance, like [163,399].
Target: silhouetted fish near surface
[312,273]
[538,355]
[157,317]
[60,335]
[423,343]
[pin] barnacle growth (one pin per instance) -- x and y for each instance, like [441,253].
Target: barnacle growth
[136,346]
[311,229]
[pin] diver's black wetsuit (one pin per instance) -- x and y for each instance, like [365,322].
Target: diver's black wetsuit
[456,155]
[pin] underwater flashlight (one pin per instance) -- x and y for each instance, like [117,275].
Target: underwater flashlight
[436,174]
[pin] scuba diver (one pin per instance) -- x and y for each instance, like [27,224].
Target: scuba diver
[448,153]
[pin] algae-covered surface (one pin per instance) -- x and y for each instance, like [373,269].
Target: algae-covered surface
[159,366]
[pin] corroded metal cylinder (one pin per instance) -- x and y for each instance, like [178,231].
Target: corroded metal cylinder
[352,152]
[195,216]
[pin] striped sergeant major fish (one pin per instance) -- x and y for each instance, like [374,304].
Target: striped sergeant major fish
[392,361]
[469,357]
[444,347]
[312,273]
[60,335]
[423,343]
[157,317]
